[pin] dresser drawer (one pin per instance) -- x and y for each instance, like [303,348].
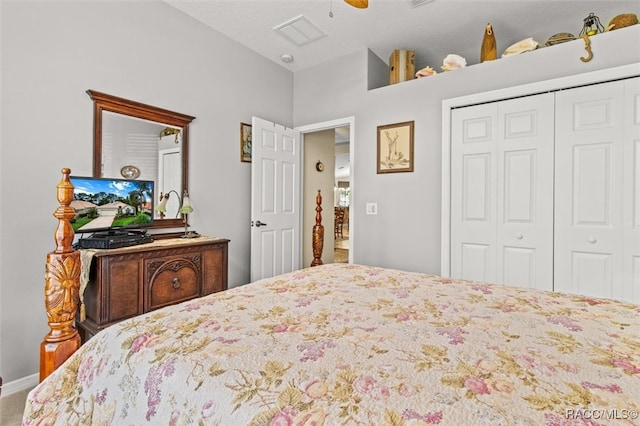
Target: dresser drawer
[172,280]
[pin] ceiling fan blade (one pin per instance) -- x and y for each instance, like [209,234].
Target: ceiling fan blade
[360,4]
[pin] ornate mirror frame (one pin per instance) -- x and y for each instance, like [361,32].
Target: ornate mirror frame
[104,102]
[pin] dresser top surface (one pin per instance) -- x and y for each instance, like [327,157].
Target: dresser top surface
[159,244]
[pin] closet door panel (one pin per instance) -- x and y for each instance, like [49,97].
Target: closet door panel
[525,192]
[592,272]
[589,176]
[473,186]
[519,266]
[519,186]
[593,198]
[476,261]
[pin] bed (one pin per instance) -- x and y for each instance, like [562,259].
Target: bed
[357,345]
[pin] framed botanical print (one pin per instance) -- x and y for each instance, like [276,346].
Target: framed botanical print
[395,147]
[245,142]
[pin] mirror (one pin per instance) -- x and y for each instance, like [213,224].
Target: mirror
[134,140]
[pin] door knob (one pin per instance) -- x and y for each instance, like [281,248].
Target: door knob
[519,236]
[592,240]
[259,224]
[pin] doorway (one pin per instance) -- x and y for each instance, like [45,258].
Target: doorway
[341,152]
[342,195]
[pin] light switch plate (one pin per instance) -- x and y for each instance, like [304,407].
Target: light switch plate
[372,208]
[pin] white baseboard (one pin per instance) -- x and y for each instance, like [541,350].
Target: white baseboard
[21,384]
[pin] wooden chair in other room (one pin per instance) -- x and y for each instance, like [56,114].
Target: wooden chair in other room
[338,222]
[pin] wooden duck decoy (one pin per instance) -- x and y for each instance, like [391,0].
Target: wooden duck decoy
[488,52]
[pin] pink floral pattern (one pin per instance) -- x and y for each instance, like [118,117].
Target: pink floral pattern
[355,345]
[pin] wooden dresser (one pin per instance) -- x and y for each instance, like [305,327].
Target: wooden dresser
[125,282]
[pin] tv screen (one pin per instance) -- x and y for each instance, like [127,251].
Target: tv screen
[108,203]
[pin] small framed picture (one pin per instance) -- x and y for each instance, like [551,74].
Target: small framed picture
[395,147]
[245,142]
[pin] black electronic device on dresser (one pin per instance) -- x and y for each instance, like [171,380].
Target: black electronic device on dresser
[114,238]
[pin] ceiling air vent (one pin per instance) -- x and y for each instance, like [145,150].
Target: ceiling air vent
[416,3]
[299,31]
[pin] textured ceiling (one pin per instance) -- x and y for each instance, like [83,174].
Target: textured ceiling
[433,30]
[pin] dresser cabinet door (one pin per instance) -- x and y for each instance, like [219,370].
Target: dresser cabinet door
[172,279]
[119,299]
[215,268]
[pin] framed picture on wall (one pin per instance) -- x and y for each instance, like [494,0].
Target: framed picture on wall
[395,147]
[245,142]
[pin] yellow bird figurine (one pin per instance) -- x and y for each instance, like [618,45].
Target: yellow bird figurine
[488,52]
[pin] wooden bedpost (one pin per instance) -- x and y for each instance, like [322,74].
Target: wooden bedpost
[318,233]
[62,286]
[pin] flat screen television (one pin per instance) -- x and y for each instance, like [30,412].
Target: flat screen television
[103,204]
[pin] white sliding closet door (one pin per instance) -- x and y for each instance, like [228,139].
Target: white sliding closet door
[473,187]
[597,205]
[502,192]
[525,192]
[631,193]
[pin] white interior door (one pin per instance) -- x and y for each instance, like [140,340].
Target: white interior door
[275,199]
[502,192]
[170,177]
[590,168]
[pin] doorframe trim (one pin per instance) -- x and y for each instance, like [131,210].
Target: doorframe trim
[593,77]
[325,125]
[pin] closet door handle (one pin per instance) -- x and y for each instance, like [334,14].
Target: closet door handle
[592,240]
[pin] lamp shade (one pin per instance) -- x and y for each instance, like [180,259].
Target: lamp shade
[186,204]
[162,205]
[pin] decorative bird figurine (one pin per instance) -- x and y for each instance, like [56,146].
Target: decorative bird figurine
[488,52]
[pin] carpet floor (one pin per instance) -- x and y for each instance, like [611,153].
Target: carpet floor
[12,407]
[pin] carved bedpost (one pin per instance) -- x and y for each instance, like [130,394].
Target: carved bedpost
[318,233]
[62,285]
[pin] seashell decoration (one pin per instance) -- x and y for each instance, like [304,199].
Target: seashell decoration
[453,62]
[621,21]
[425,72]
[522,46]
[559,38]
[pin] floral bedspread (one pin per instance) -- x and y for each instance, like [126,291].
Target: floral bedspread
[356,345]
